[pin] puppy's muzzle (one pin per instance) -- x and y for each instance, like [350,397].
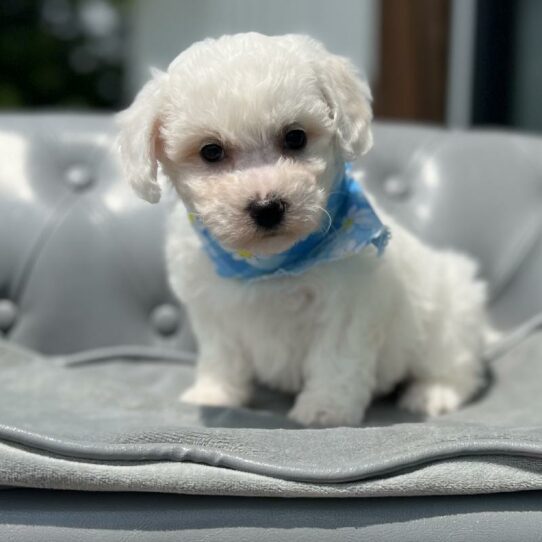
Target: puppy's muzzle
[268,213]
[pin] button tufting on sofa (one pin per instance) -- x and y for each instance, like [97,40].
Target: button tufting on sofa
[396,187]
[8,314]
[165,319]
[79,177]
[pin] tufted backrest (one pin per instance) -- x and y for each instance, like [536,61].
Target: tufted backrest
[479,192]
[81,257]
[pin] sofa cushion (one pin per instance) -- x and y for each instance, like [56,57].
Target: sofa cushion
[116,424]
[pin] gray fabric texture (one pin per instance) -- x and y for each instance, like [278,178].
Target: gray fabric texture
[116,425]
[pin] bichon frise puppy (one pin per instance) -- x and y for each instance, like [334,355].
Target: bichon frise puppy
[280,259]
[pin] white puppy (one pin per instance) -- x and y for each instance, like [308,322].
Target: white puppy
[253,133]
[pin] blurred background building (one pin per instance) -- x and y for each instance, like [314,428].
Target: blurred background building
[451,62]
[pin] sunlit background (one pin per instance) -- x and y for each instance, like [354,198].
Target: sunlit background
[451,62]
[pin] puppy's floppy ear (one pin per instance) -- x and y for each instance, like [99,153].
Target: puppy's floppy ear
[349,99]
[138,139]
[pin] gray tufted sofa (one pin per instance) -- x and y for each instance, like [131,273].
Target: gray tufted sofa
[94,350]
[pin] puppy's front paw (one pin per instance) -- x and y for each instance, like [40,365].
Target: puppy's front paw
[431,399]
[320,410]
[213,394]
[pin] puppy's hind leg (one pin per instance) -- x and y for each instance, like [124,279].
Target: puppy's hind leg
[437,395]
[451,367]
[451,374]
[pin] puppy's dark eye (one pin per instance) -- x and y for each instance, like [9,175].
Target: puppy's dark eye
[212,152]
[295,140]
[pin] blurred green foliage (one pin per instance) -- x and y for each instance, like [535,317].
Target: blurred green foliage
[62,53]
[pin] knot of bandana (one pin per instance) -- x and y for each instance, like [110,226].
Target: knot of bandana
[354,226]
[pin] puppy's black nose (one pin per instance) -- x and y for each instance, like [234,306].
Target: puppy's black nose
[267,213]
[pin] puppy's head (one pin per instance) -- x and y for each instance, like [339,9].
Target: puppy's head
[252,131]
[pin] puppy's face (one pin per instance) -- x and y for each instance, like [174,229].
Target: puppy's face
[250,149]
[252,131]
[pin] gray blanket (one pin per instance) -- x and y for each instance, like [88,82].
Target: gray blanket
[116,425]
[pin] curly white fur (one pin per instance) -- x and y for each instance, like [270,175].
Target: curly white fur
[342,332]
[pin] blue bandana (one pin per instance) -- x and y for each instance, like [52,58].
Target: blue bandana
[354,226]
